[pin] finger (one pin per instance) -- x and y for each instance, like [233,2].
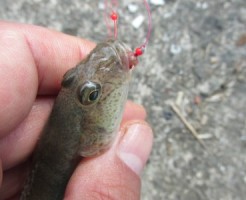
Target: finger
[53,53]
[18,145]
[116,173]
[19,80]
[133,111]
[13,181]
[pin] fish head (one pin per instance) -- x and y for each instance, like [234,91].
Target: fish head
[99,85]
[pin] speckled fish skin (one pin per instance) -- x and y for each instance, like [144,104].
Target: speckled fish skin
[74,129]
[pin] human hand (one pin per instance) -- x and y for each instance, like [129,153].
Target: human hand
[32,63]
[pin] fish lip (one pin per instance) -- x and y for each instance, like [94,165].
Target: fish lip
[122,51]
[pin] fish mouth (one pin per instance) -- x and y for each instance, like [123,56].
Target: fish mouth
[124,53]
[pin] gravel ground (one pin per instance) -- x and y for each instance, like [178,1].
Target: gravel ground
[196,58]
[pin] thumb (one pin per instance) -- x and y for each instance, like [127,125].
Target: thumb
[115,174]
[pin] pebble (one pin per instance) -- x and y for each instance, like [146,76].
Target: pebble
[188,157]
[215,98]
[132,7]
[205,136]
[167,115]
[157,2]
[191,195]
[138,21]
[243,138]
[175,49]
[197,100]
[180,98]
[204,88]
[166,38]
[101,6]
[199,174]
[202,5]
[214,60]
[204,120]
[241,41]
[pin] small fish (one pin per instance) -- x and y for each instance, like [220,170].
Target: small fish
[84,120]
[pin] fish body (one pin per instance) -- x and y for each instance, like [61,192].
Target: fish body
[84,119]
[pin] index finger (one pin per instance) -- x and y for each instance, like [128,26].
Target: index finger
[32,61]
[53,53]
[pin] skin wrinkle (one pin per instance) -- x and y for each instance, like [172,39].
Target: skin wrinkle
[40,74]
[81,51]
[126,126]
[25,74]
[6,100]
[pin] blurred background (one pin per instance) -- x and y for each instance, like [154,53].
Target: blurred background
[196,62]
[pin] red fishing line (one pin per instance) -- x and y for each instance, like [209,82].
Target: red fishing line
[111,8]
[140,50]
[111,13]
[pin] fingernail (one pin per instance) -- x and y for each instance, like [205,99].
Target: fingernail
[135,146]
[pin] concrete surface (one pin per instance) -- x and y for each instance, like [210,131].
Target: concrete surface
[195,54]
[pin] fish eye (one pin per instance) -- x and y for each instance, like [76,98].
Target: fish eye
[93,95]
[89,92]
